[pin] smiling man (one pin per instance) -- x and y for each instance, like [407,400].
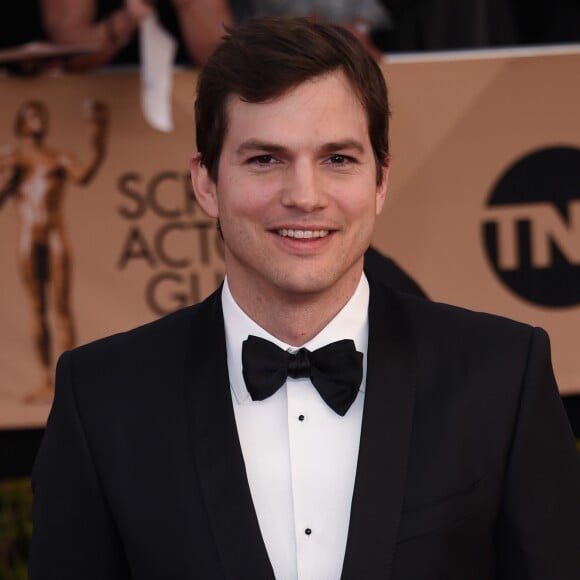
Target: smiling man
[305,422]
[297,194]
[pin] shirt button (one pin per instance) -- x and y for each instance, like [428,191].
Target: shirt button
[300,417]
[307,531]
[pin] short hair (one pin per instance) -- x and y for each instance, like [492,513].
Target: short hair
[40,109]
[267,57]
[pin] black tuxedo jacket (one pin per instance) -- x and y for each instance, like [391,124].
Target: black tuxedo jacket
[467,467]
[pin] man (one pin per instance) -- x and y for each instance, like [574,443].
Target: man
[409,441]
[36,177]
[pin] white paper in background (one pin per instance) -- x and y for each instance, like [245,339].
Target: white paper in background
[157,54]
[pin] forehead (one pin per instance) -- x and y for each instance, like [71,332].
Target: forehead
[319,106]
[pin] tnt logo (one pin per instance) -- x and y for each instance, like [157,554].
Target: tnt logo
[532,227]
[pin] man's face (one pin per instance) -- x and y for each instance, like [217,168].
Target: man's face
[296,193]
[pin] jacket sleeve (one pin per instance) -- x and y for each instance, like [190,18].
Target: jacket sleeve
[538,532]
[74,535]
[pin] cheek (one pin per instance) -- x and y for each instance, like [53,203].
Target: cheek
[248,198]
[358,207]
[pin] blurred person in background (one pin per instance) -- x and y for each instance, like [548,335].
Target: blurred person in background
[423,25]
[360,18]
[112,26]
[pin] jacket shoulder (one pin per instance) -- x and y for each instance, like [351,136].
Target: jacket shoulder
[163,339]
[448,320]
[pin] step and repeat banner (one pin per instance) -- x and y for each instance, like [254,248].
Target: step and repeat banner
[484,207]
[100,232]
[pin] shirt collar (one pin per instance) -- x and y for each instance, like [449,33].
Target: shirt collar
[350,322]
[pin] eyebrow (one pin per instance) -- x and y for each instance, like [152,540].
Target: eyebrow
[257,145]
[267,147]
[347,145]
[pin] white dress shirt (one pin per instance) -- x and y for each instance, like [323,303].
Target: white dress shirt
[300,455]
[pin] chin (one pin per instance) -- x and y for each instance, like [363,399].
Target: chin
[312,283]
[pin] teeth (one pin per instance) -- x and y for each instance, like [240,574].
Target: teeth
[303,233]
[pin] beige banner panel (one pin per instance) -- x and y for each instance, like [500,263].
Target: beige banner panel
[131,244]
[484,196]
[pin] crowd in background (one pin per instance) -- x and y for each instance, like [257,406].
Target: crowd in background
[384,26]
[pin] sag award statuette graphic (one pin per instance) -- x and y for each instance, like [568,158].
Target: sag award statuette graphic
[36,177]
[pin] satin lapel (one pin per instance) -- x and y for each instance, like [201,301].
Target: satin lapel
[384,445]
[217,452]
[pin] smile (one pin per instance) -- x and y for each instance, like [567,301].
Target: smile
[303,233]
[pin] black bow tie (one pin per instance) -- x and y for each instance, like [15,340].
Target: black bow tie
[335,370]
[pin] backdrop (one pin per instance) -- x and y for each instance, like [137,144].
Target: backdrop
[483,208]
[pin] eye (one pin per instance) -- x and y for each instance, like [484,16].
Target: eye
[261,160]
[339,160]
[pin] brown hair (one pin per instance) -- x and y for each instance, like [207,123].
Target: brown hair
[265,58]
[38,106]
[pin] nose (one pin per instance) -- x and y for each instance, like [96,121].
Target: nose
[303,187]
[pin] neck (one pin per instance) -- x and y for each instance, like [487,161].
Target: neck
[292,317]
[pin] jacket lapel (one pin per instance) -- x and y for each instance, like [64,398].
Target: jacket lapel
[385,437]
[217,452]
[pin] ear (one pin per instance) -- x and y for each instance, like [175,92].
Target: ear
[204,188]
[383,186]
